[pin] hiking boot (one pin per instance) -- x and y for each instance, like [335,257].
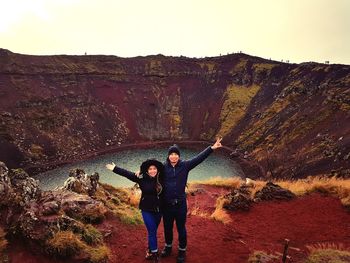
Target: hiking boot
[152,256]
[166,252]
[181,256]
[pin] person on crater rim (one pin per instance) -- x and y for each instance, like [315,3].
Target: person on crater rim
[174,197]
[150,181]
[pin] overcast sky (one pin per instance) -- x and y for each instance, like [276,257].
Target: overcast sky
[294,30]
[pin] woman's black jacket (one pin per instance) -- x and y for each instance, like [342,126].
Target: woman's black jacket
[150,199]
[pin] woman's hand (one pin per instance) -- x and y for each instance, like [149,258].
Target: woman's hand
[110,166]
[217,144]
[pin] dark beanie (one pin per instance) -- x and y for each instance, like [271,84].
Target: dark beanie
[174,149]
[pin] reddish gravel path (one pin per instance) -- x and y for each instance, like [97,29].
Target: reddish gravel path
[305,221]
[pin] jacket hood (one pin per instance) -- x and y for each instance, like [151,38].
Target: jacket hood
[146,164]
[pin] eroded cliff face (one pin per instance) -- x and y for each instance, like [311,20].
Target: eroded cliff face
[293,119]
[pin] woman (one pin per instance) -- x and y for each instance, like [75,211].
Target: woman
[150,182]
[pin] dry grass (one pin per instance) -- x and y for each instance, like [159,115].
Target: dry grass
[232,182]
[91,235]
[229,183]
[128,214]
[98,254]
[259,67]
[337,187]
[326,245]
[134,197]
[86,233]
[107,190]
[196,211]
[261,257]
[122,202]
[325,185]
[209,66]
[328,252]
[220,214]
[330,186]
[258,185]
[64,244]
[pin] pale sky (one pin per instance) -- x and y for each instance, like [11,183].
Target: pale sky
[294,30]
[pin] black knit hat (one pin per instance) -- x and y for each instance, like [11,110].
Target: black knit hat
[174,149]
[146,164]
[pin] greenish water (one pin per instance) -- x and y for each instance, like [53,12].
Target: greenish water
[214,165]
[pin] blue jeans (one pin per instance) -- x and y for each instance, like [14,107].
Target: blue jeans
[151,220]
[177,213]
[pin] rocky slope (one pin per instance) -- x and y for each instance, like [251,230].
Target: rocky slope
[291,120]
[58,222]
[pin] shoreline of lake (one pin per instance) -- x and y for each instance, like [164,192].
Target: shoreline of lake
[51,165]
[132,158]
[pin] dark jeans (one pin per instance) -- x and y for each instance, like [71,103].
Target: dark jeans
[178,214]
[152,220]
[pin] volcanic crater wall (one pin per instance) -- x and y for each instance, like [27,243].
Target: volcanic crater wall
[291,119]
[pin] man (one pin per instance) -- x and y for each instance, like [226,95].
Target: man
[175,206]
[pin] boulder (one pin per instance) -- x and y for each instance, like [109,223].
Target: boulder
[5,183]
[57,210]
[17,187]
[37,216]
[3,170]
[50,208]
[25,188]
[239,199]
[79,182]
[82,207]
[273,191]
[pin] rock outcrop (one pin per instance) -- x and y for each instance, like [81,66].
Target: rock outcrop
[17,187]
[38,216]
[273,191]
[242,198]
[5,183]
[82,183]
[239,199]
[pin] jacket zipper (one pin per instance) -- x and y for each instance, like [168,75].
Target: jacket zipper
[175,180]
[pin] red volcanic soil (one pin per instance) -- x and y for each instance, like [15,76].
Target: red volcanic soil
[304,221]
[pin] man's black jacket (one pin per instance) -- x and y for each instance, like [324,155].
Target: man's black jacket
[175,178]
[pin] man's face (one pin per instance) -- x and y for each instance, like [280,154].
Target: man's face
[174,158]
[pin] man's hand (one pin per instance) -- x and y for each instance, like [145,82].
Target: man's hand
[110,166]
[217,144]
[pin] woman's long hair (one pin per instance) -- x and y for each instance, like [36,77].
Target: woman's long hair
[159,186]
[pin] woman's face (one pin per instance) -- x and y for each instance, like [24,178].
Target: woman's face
[152,171]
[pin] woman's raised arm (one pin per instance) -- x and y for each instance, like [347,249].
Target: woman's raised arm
[130,175]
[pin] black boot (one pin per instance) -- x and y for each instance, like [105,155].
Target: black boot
[181,257]
[152,256]
[166,252]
